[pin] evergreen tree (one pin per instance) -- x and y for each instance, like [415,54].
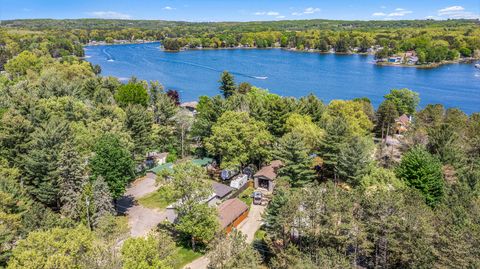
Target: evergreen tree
[422,171]
[386,115]
[354,158]
[71,179]
[113,162]
[311,106]
[297,165]
[443,142]
[336,135]
[40,163]
[227,84]
[139,124]
[102,200]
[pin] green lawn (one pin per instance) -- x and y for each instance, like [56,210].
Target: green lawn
[246,196]
[184,256]
[159,199]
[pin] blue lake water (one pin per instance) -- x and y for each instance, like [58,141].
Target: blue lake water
[196,72]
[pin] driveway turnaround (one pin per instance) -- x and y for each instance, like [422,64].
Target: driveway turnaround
[142,220]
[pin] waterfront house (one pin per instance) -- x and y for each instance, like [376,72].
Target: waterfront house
[231,213]
[402,123]
[190,106]
[265,177]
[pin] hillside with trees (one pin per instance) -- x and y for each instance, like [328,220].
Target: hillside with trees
[355,190]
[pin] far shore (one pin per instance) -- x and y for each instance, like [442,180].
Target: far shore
[386,64]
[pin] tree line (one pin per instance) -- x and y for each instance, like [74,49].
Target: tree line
[351,191]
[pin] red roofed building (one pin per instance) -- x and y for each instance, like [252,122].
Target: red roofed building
[231,213]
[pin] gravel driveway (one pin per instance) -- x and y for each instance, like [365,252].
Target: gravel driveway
[142,220]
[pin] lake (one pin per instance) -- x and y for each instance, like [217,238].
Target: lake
[196,72]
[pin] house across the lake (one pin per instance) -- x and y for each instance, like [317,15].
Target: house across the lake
[265,177]
[231,213]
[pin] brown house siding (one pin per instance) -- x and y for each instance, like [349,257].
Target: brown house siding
[236,222]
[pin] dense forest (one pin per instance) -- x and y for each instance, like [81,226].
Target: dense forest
[432,41]
[355,190]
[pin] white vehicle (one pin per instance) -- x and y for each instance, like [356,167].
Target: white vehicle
[477,66]
[239,181]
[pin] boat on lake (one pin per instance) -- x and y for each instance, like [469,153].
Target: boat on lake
[477,66]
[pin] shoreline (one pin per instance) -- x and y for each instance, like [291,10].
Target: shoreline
[430,65]
[315,51]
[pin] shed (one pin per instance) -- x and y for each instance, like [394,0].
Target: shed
[265,177]
[231,213]
[202,162]
[152,173]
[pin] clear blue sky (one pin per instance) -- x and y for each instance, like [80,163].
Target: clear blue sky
[245,10]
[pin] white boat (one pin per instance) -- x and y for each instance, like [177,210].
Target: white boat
[477,66]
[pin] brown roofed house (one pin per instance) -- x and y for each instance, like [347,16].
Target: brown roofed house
[231,213]
[265,177]
[401,124]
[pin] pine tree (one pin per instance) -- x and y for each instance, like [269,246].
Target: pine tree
[102,200]
[336,135]
[40,163]
[353,160]
[71,179]
[420,170]
[139,122]
[297,165]
[227,84]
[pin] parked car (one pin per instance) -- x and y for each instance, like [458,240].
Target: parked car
[257,198]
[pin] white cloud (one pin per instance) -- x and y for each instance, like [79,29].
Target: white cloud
[308,10]
[399,12]
[379,14]
[451,9]
[168,8]
[109,15]
[311,10]
[383,7]
[268,13]
[457,12]
[280,17]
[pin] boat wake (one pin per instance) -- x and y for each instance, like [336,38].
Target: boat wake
[109,56]
[209,68]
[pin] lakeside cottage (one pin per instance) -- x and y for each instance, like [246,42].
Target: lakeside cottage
[402,123]
[265,177]
[190,106]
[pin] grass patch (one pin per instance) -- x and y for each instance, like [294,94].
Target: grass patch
[260,234]
[159,199]
[184,256]
[246,196]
